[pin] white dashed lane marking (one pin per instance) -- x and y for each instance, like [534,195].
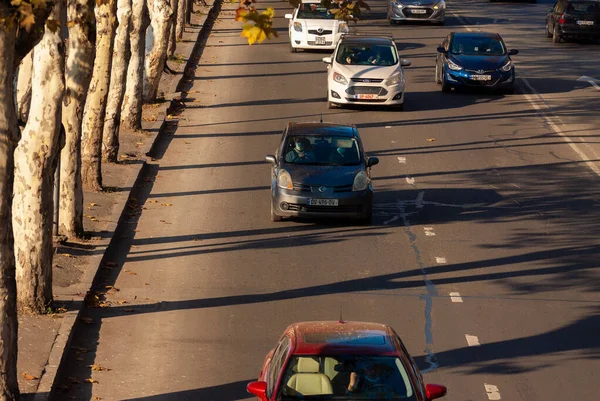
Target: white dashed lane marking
[455,297]
[401,160]
[492,392]
[440,260]
[410,181]
[429,231]
[472,341]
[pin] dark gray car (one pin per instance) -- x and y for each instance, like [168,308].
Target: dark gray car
[320,170]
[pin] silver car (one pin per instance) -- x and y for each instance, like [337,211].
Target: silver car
[320,170]
[416,10]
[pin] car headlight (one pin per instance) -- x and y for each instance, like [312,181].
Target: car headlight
[361,181]
[297,26]
[506,67]
[398,4]
[440,6]
[340,79]
[394,79]
[453,66]
[343,27]
[284,180]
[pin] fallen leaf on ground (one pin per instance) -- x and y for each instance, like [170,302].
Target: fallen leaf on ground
[166,204]
[146,283]
[121,302]
[74,380]
[166,222]
[90,380]
[93,204]
[110,264]
[430,139]
[131,273]
[99,368]
[129,310]
[27,376]
[86,320]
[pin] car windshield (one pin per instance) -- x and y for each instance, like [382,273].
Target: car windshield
[477,46]
[583,7]
[365,54]
[344,377]
[313,11]
[322,150]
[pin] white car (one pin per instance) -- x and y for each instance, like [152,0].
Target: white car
[365,70]
[312,26]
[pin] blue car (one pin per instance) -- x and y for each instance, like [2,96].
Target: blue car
[475,60]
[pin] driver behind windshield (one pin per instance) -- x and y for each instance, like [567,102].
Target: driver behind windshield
[370,377]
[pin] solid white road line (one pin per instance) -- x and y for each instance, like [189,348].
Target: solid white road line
[455,297]
[440,260]
[429,231]
[472,341]
[492,392]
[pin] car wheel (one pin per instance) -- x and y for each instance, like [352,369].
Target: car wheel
[398,107]
[509,91]
[445,87]
[548,33]
[556,38]
[367,220]
[274,217]
[438,80]
[293,49]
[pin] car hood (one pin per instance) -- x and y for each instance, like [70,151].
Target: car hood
[367,71]
[479,62]
[322,175]
[319,23]
[419,2]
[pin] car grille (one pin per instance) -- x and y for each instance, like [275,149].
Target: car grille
[368,80]
[408,14]
[349,99]
[315,32]
[327,209]
[315,188]
[313,43]
[480,71]
[366,90]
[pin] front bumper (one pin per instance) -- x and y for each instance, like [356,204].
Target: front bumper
[373,93]
[464,78]
[306,40]
[291,203]
[416,13]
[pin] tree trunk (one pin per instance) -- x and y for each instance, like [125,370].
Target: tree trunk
[160,17]
[9,134]
[131,112]
[172,30]
[36,157]
[24,87]
[95,106]
[78,73]
[180,19]
[120,59]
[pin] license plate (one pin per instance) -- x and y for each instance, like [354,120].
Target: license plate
[322,202]
[320,40]
[365,96]
[418,11]
[481,77]
[585,22]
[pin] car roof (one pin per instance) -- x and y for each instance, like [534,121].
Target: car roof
[475,34]
[363,39]
[325,129]
[321,337]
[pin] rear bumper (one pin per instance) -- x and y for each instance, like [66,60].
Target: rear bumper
[579,32]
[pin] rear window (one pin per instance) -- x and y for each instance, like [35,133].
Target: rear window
[583,7]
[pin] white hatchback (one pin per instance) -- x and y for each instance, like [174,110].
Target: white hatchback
[312,26]
[366,70]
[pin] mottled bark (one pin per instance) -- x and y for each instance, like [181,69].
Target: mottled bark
[24,87]
[78,73]
[120,60]
[36,157]
[172,31]
[180,18]
[160,18]
[9,133]
[131,111]
[95,106]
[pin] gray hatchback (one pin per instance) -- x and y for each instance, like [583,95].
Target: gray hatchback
[320,170]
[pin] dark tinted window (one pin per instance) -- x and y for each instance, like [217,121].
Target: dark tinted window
[577,7]
[321,150]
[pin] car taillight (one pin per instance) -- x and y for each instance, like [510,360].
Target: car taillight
[561,19]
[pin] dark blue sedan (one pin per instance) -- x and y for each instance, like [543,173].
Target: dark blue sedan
[475,59]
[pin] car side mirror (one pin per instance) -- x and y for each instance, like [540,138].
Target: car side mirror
[271,159]
[371,161]
[289,16]
[433,391]
[327,60]
[259,389]
[512,52]
[441,49]
[405,63]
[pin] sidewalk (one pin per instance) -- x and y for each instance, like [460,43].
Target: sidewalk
[43,340]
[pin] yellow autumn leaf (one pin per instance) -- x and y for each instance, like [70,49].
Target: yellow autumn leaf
[166,204]
[27,376]
[27,22]
[15,3]
[430,139]
[93,204]
[253,33]
[90,380]
[98,368]
[38,3]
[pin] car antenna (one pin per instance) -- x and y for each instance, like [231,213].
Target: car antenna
[341,317]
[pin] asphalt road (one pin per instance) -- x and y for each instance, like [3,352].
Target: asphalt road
[492,197]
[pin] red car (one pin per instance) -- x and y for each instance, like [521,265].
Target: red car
[341,361]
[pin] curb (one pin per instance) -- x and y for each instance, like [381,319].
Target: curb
[62,341]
